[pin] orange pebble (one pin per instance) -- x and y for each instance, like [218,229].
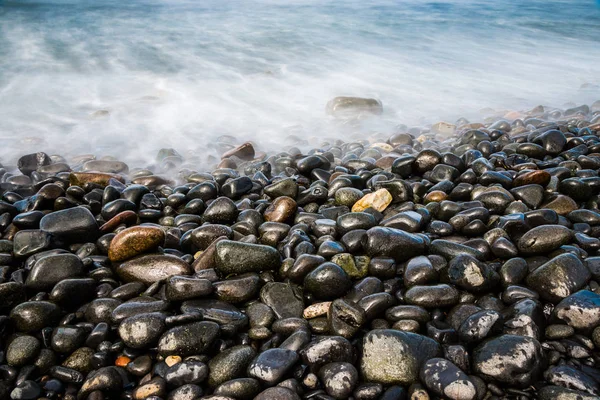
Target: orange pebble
[122,361]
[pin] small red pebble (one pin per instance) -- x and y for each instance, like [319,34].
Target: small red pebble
[122,361]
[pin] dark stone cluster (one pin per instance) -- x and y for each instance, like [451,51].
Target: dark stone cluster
[406,266]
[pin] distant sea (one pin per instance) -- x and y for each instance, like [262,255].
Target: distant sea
[125,78]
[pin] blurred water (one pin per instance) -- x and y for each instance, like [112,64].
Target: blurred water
[179,73]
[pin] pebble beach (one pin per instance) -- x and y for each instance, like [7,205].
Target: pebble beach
[456,260]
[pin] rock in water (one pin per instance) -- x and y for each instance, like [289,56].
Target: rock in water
[351,106]
[244,152]
[31,162]
[371,251]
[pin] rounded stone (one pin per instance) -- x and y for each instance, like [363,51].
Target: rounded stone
[133,241]
[22,351]
[395,357]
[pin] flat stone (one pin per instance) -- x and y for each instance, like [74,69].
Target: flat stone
[283,299]
[152,268]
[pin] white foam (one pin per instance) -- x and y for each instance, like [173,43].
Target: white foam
[179,74]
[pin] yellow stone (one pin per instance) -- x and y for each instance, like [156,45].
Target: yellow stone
[316,310]
[378,200]
[172,360]
[383,146]
[198,254]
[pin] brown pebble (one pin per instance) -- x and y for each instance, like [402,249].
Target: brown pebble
[281,210]
[152,181]
[244,152]
[227,163]
[133,241]
[538,177]
[435,196]
[206,259]
[126,218]
[385,162]
[81,178]
[562,204]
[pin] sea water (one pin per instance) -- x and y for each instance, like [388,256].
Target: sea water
[125,78]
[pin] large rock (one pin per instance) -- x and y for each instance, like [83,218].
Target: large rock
[22,351]
[580,310]
[559,277]
[339,379]
[544,239]
[106,379]
[394,357]
[230,364]
[326,349]
[509,359]
[283,299]
[33,316]
[49,270]
[74,225]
